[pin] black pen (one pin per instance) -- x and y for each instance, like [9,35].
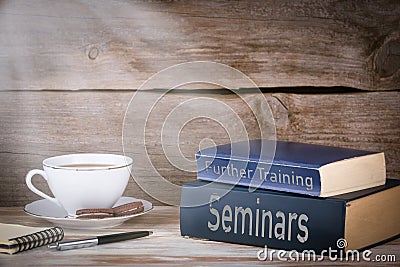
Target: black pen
[98,240]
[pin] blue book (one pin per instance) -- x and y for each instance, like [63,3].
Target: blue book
[290,221]
[314,170]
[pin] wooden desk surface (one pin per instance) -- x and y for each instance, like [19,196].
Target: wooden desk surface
[164,247]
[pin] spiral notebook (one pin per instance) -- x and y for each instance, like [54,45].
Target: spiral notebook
[16,238]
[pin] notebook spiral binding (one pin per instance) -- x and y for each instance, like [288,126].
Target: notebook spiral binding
[38,239]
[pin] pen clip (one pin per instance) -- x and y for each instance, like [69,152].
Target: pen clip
[81,243]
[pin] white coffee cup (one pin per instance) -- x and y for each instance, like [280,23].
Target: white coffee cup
[80,181]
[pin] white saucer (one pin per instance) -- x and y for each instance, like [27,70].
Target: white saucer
[47,210]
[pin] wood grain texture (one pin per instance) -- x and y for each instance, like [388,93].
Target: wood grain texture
[92,44]
[36,125]
[164,247]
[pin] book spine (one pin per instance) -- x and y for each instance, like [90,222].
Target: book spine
[287,178]
[260,218]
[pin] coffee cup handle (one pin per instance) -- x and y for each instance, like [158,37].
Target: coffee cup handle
[28,180]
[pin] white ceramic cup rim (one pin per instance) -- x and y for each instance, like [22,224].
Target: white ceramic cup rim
[117,161]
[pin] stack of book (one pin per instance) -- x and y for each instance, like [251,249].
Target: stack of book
[291,196]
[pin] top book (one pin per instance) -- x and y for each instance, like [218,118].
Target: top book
[309,169]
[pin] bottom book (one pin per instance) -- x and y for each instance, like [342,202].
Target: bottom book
[288,221]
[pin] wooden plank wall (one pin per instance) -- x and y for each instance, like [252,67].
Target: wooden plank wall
[68,69]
